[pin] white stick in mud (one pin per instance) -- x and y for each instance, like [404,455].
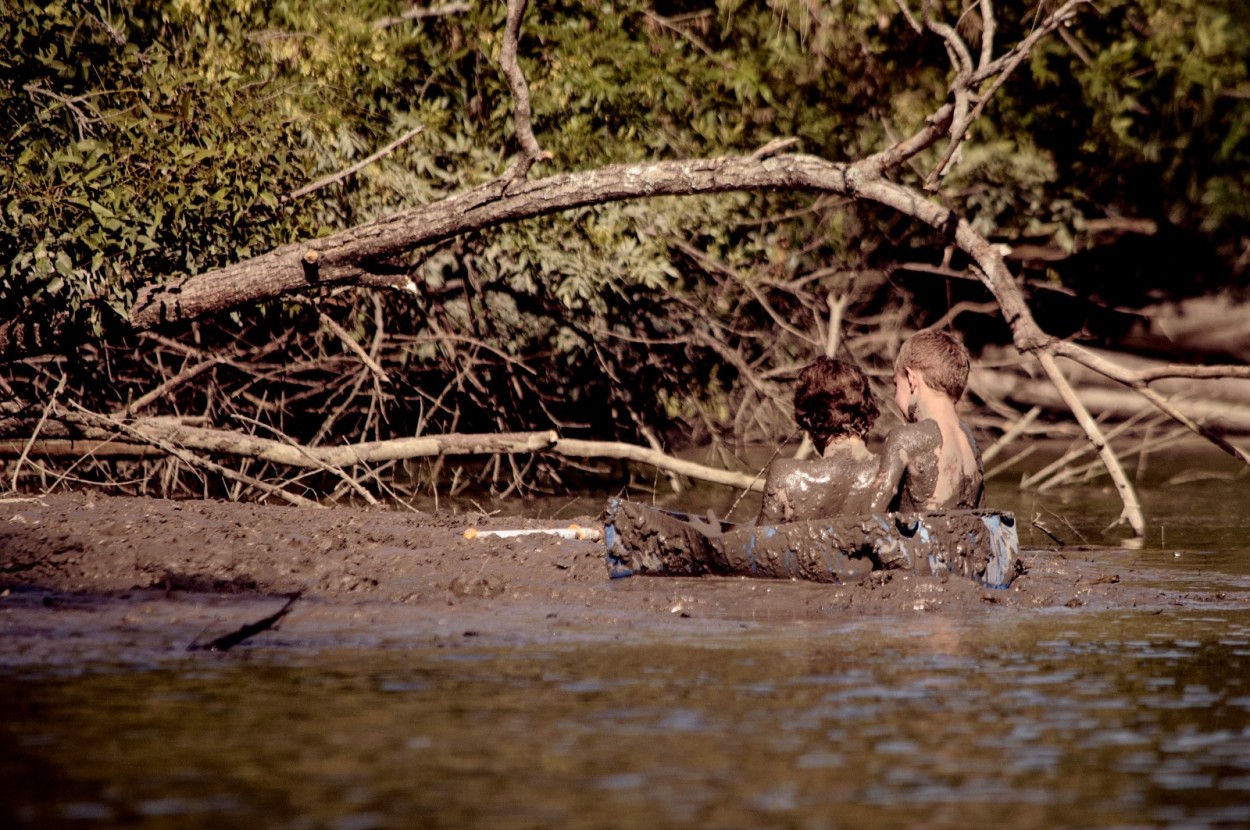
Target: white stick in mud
[584,534]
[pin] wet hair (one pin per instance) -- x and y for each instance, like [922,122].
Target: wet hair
[940,359]
[832,399]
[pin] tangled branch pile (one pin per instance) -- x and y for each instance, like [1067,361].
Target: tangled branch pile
[457,301]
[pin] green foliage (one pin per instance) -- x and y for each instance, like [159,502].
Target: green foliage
[162,138]
[1146,111]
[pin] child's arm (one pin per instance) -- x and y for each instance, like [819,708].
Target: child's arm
[891,470]
[776,506]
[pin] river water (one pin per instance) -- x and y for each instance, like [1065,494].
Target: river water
[1057,717]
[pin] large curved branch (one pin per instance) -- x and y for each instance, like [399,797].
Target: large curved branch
[348,256]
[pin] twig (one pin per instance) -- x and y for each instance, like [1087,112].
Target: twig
[763,470]
[169,385]
[326,181]
[329,468]
[1138,381]
[34,436]
[695,40]
[350,342]
[1017,429]
[420,13]
[703,258]
[1080,449]
[1037,523]
[1010,462]
[1087,470]
[968,80]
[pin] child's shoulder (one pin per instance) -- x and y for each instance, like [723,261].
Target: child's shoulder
[922,434]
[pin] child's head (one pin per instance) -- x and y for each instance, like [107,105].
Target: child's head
[832,400]
[941,360]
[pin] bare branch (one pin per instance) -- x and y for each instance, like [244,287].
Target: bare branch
[178,439]
[967,81]
[1139,380]
[1132,512]
[326,181]
[355,348]
[530,151]
[909,17]
[1050,23]
[104,424]
[989,28]
[681,31]
[420,13]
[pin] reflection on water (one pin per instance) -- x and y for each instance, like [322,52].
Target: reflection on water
[1114,719]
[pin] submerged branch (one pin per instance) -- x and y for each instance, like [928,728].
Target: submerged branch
[229,641]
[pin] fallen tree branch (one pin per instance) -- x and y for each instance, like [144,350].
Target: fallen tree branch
[645,455]
[104,425]
[174,438]
[336,471]
[1132,512]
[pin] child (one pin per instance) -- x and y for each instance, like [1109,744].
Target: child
[833,402]
[932,461]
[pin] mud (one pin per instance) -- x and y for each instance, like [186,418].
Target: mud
[978,545]
[88,577]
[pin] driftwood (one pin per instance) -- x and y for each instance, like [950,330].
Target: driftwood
[1220,400]
[90,420]
[1201,327]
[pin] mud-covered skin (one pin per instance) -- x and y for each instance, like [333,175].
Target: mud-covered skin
[911,472]
[840,483]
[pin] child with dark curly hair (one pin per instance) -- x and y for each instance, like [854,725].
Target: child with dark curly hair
[834,404]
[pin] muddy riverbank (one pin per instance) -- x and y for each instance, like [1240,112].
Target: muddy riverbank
[91,577]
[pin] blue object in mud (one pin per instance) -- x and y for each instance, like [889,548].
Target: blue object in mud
[980,545]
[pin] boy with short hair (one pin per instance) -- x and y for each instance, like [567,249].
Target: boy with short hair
[931,462]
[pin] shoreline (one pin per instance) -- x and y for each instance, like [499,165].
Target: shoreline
[92,578]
